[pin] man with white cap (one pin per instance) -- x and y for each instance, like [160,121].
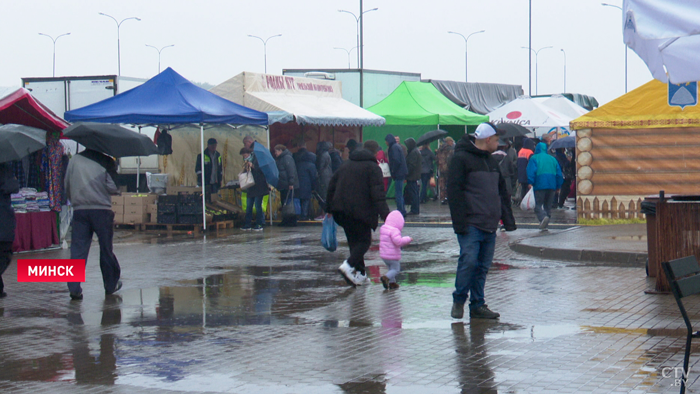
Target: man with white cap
[478,198]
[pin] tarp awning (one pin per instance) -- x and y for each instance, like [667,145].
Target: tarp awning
[318,110]
[420,103]
[477,97]
[304,100]
[643,108]
[21,107]
[167,98]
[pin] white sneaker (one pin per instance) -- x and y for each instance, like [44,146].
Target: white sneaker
[544,223]
[360,279]
[347,272]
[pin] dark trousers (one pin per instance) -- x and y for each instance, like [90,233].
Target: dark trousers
[5,255]
[254,202]
[412,196]
[87,222]
[564,191]
[209,189]
[524,188]
[424,185]
[359,236]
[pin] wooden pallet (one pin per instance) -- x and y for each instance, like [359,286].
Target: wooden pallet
[170,228]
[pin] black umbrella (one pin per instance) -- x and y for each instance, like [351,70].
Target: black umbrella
[430,137]
[513,130]
[566,142]
[111,139]
[18,141]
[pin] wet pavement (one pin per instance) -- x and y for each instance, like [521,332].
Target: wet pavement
[267,312]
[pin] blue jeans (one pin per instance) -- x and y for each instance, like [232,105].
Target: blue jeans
[412,194]
[101,222]
[476,249]
[543,203]
[398,195]
[259,215]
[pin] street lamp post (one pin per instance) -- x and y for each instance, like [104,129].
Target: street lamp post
[537,52]
[360,46]
[265,46]
[357,21]
[119,48]
[564,52]
[466,47]
[54,48]
[626,47]
[159,51]
[348,51]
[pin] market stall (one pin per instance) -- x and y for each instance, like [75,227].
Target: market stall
[635,146]
[40,174]
[300,109]
[540,115]
[168,100]
[414,108]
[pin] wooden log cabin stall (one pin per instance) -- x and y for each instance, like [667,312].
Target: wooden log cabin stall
[635,146]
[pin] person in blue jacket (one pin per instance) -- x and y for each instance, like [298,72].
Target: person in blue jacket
[544,176]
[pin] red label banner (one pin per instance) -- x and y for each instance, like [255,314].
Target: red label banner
[50,270]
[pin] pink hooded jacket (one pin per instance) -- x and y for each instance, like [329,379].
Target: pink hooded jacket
[390,239]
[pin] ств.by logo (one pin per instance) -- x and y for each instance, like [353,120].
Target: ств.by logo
[54,270]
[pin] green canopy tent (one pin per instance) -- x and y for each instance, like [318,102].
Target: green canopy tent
[413,109]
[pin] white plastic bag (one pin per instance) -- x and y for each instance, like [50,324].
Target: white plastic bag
[528,202]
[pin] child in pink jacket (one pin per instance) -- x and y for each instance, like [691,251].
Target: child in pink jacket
[390,243]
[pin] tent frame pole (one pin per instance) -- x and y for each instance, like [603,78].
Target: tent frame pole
[138,168]
[270,199]
[204,196]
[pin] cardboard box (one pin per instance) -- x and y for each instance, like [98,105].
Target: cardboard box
[140,199]
[135,209]
[118,218]
[152,209]
[118,210]
[117,200]
[136,219]
[183,189]
[154,217]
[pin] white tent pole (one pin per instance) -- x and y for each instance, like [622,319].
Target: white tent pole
[138,168]
[270,198]
[204,201]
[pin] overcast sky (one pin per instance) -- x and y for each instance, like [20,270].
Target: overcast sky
[212,44]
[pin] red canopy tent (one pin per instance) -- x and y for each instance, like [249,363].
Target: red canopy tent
[37,230]
[20,107]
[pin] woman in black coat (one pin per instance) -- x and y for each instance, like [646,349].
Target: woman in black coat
[306,170]
[323,166]
[288,180]
[255,193]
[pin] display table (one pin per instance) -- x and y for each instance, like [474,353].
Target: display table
[35,230]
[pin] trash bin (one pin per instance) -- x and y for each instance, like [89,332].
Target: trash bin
[677,232]
[648,208]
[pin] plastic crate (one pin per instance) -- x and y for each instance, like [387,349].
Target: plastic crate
[193,198]
[190,219]
[167,208]
[167,218]
[189,209]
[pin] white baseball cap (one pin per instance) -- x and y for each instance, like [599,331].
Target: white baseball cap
[486,130]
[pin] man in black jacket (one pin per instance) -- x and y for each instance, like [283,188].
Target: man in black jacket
[414,163]
[356,199]
[478,198]
[8,185]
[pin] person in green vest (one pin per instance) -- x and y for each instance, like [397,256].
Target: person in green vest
[213,171]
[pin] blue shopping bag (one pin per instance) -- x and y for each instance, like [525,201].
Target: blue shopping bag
[328,237]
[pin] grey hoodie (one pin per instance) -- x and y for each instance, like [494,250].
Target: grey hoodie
[88,186]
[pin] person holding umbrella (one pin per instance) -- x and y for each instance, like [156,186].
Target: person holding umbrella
[213,170]
[89,185]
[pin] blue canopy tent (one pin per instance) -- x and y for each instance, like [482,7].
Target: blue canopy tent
[169,98]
